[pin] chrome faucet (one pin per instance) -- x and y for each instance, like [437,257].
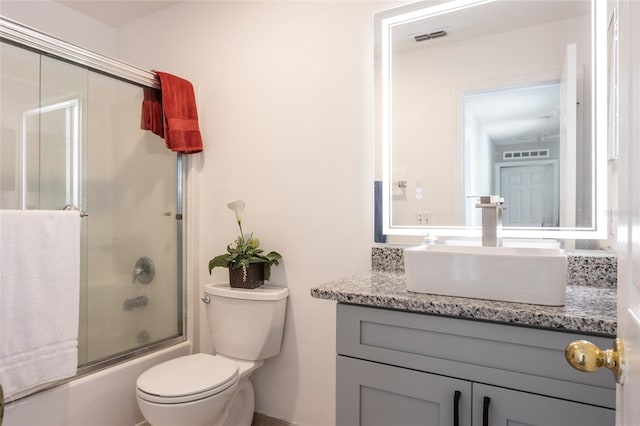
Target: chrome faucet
[492,206]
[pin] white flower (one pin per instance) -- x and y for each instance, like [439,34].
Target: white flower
[238,208]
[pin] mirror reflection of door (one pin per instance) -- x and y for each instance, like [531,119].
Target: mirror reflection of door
[530,193]
[512,145]
[525,123]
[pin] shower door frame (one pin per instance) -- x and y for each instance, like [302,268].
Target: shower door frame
[36,41]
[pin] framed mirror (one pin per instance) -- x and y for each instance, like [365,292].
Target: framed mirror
[499,97]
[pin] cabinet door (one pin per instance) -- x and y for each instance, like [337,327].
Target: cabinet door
[372,394]
[509,407]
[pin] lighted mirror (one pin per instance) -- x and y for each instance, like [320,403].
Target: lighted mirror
[493,97]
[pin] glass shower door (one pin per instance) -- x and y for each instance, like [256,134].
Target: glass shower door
[132,296]
[71,136]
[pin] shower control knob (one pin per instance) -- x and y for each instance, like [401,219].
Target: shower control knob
[144,271]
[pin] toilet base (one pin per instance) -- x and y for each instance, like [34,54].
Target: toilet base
[242,406]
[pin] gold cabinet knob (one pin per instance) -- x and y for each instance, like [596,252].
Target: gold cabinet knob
[585,356]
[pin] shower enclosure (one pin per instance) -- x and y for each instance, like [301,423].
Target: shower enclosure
[71,138]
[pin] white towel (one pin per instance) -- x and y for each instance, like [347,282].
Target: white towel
[39,298]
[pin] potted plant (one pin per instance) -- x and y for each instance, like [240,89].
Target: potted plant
[248,265]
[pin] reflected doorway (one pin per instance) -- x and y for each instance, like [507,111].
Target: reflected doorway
[512,146]
[531,193]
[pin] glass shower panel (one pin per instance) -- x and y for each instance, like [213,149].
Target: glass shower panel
[132,296]
[71,136]
[63,89]
[20,89]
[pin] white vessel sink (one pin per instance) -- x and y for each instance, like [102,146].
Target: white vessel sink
[526,275]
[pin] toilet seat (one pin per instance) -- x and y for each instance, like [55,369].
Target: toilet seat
[186,379]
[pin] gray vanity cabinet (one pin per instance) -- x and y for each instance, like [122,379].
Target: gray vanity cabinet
[399,368]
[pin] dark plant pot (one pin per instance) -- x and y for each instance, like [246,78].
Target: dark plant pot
[253,278]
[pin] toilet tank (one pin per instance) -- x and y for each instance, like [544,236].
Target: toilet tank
[246,323]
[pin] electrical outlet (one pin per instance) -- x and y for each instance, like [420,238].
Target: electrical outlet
[424,218]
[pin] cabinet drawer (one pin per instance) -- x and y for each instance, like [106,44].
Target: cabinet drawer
[502,355]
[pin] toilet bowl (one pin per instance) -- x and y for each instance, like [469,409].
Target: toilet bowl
[198,389]
[215,390]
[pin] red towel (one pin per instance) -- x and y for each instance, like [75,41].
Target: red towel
[151,118]
[177,103]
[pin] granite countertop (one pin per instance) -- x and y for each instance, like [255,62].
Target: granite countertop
[588,309]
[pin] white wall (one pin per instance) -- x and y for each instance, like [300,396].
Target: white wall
[285,103]
[60,21]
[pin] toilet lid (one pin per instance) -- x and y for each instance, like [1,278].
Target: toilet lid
[187,378]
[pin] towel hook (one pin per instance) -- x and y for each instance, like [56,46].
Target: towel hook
[74,208]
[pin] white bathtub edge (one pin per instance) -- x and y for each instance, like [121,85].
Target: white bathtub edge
[103,398]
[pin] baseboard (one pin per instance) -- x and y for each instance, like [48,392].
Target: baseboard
[260,419]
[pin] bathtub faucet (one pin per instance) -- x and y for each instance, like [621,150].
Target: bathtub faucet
[136,302]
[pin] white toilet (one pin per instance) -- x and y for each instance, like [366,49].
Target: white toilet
[202,389]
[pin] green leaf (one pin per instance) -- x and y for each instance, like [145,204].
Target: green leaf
[219,261]
[274,257]
[267,271]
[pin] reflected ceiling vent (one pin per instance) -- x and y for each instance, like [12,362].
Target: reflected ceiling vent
[527,154]
[435,34]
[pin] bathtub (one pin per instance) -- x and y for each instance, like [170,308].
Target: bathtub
[104,398]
